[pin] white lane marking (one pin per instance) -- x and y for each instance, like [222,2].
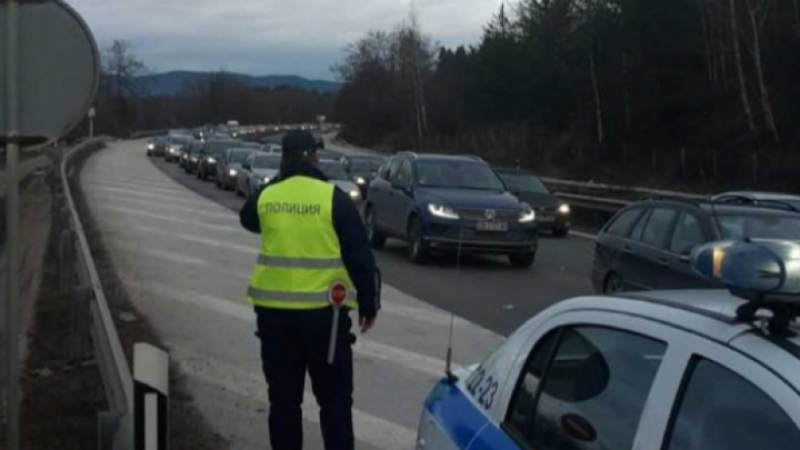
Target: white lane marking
[370,429]
[140,213]
[141,188]
[103,177]
[151,421]
[96,187]
[112,199]
[366,347]
[169,256]
[592,237]
[250,250]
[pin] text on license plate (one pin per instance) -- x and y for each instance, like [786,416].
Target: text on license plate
[492,226]
[546,219]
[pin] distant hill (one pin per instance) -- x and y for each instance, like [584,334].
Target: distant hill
[171,83]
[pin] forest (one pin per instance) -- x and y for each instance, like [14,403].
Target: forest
[689,93]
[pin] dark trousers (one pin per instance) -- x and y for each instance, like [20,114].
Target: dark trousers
[293,342]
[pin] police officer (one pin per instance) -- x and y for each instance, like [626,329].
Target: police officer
[313,248]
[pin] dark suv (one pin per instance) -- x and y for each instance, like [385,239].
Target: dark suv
[647,245]
[448,203]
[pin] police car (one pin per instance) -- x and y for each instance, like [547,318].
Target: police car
[670,370]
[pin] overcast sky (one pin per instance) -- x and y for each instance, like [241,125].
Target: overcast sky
[261,37]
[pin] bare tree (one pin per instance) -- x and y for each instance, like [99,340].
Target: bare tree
[758,11]
[739,67]
[119,87]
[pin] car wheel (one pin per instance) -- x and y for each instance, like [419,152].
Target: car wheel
[418,250]
[149,153]
[376,238]
[216,182]
[561,232]
[613,284]
[522,261]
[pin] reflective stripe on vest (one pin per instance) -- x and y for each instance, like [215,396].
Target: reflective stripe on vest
[300,258]
[300,263]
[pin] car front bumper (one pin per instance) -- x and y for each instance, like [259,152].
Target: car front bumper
[451,235]
[551,222]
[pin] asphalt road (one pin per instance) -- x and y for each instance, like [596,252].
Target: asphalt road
[185,261]
[482,289]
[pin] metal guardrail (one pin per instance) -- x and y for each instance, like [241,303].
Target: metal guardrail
[113,365]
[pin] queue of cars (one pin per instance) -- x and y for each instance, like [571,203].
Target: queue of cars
[436,203]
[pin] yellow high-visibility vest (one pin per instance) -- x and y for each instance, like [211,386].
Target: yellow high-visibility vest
[300,262]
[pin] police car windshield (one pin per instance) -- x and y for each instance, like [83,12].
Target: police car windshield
[523,182]
[239,155]
[267,162]
[457,175]
[760,227]
[332,170]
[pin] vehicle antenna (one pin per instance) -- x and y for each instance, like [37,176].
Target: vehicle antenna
[451,378]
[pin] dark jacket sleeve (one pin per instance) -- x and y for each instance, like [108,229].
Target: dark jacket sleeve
[248,215]
[356,252]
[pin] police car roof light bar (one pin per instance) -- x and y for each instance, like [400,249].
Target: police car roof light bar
[766,273]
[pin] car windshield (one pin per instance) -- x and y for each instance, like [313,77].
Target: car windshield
[365,164]
[523,182]
[759,227]
[266,162]
[457,174]
[239,155]
[332,170]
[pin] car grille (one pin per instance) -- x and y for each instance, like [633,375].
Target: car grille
[545,209]
[481,214]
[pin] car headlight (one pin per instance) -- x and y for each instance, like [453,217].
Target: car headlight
[266,180]
[355,194]
[564,209]
[151,147]
[232,172]
[527,216]
[361,180]
[211,160]
[442,211]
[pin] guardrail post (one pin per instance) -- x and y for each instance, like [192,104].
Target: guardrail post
[79,299]
[150,398]
[66,259]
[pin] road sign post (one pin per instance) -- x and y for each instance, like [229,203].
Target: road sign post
[49,69]
[12,226]
[91,115]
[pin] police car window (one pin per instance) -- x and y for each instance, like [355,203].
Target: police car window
[720,410]
[623,223]
[655,232]
[688,233]
[593,390]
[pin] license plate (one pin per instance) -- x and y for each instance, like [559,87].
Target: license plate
[492,226]
[546,219]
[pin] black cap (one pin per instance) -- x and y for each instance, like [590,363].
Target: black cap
[298,142]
